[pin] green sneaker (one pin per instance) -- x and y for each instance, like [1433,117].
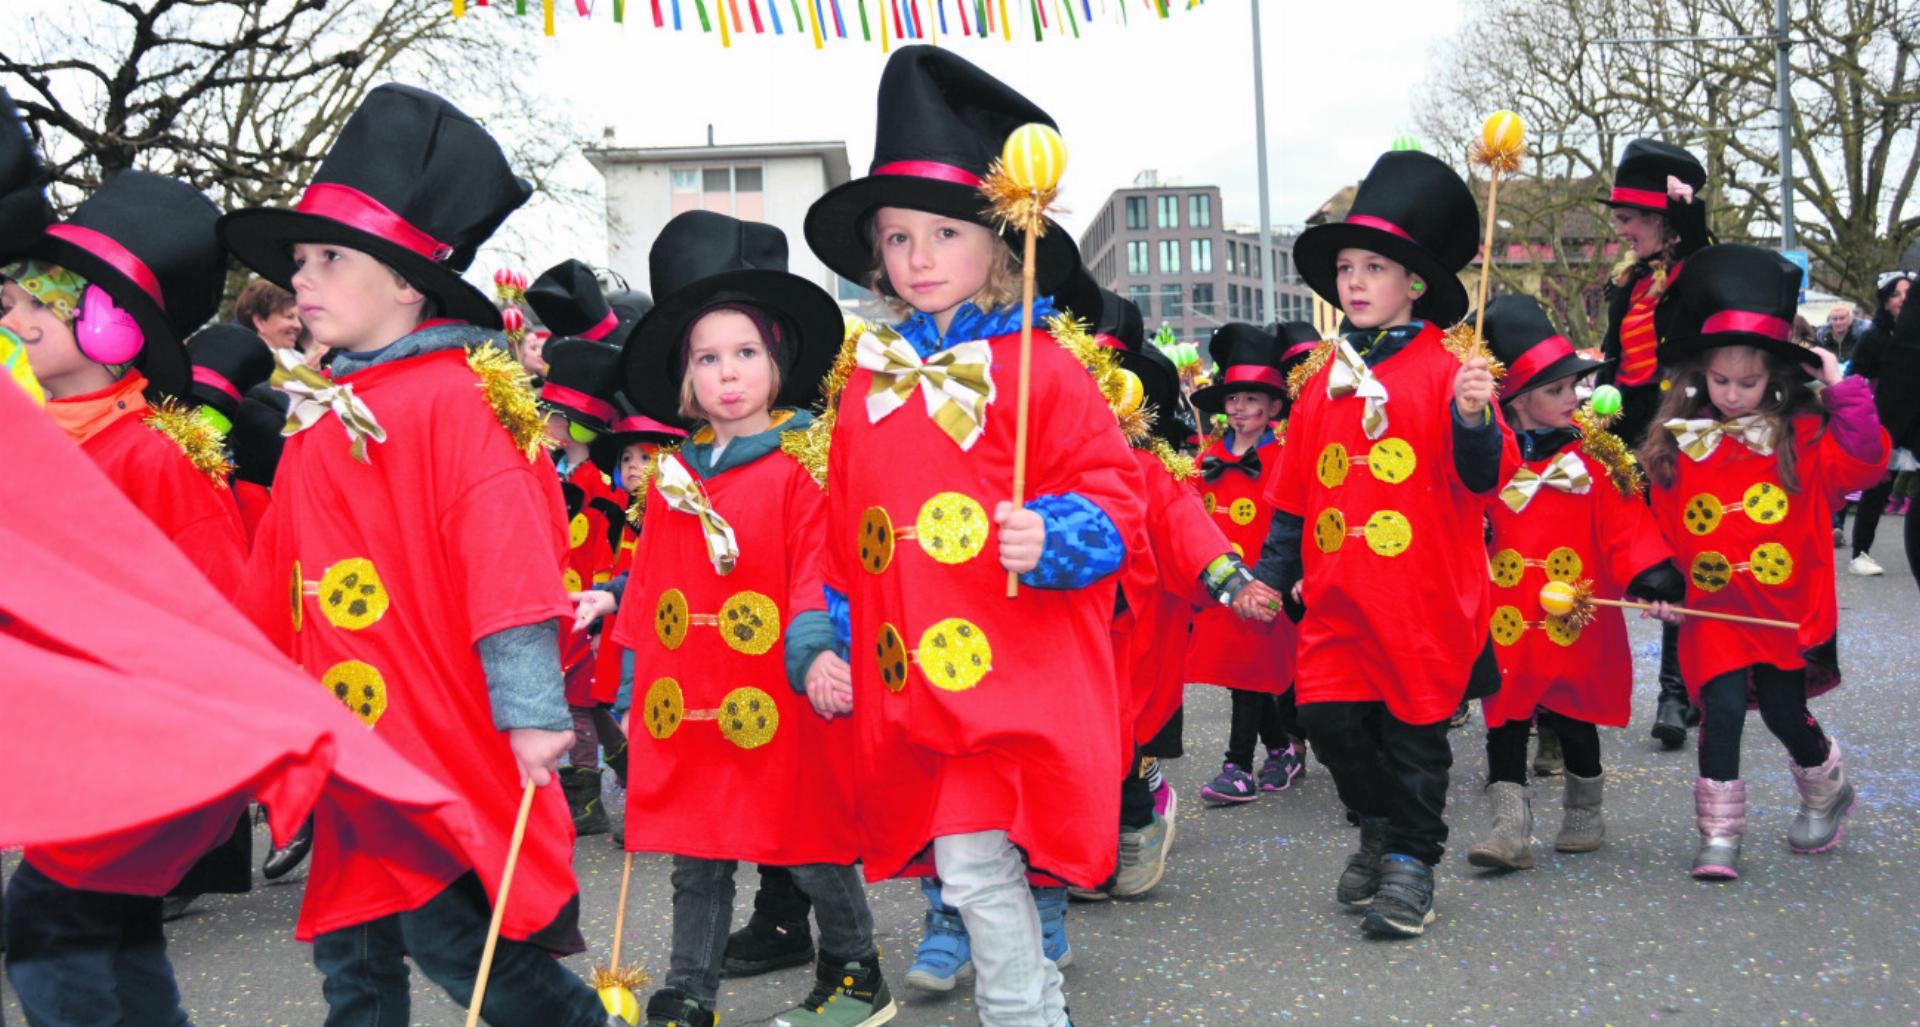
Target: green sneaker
[845,994]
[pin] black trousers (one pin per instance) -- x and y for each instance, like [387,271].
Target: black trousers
[1136,799]
[780,899]
[1782,698]
[1385,767]
[1256,720]
[1507,747]
[1866,520]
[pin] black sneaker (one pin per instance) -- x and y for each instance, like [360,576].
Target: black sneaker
[281,862]
[1403,906]
[1361,879]
[764,946]
[670,1007]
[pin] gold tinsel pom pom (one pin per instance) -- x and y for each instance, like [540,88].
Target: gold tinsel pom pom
[1074,336]
[204,444]
[1503,160]
[631,978]
[1012,204]
[1606,448]
[808,446]
[1180,465]
[1583,608]
[1309,366]
[1463,341]
[509,391]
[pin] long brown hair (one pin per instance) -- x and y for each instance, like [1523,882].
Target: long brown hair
[1787,398]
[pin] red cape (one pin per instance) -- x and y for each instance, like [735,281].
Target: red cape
[1227,650]
[1183,540]
[594,514]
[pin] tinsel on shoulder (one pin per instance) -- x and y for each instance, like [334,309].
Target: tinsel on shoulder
[1606,448]
[1121,388]
[809,446]
[1464,342]
[1309,366]
[204,444]
[509,391]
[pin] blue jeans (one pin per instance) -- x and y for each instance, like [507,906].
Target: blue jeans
[87,959]
[366,970]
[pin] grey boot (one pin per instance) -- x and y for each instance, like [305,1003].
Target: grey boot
[1511,845]
[1826,797]
[1582,826]
[1720,809]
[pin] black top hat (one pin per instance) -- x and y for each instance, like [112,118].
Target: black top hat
[582,378]
[1297,341]
[23,197]
[1523,338]
[942,123]
[1249,359]
[1734,295]
[255,438]
[1640,182]
[629,426]
[571,304]
[1114,321]
[228,360]
[1413,209]
[149,242]
[630,304]
[411,181]
[1160,381]
[703,259]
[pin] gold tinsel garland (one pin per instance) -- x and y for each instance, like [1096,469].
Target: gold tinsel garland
[509,391]
[1609,451]
[1015,205]
[808,446]
[204,444]
[1178,464]
[637,510]
[1309,366]
[1464,342]
[631,978]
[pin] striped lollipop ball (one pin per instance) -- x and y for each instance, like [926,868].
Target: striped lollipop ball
[1131,394]
[1503,131]
[1035,156]
[1557,598]
[621,1003]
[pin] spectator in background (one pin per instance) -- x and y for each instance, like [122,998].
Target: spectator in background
[1841,332]
[1874,353]
[270,312]
[1802,331]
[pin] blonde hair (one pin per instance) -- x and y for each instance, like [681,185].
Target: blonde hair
[1003,287]
[689,404]
[1787,398]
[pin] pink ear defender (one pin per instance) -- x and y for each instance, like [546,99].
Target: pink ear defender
[106,334]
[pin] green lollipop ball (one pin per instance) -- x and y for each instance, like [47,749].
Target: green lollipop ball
[1606,401]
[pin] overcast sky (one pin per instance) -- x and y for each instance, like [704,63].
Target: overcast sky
[1173,95]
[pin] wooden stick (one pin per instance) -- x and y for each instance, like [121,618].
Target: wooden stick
[1702,614]
[1026,370]
[500,905]
[620,914]
[1486,255]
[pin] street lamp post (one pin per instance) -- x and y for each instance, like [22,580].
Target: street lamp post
[1269,298]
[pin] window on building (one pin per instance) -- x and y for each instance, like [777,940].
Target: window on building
[1233,296]
[1137,256]
[1259,306]
[1283,265]
[1255,250]
[1142,297]
[1169,256]
[735,189]
[1203,299]
[1169,208]
[1172,304]
[1202,257]
[1233,255]
[1136,212]
[1200,211]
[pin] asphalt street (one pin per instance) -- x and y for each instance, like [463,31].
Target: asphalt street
[1244,928]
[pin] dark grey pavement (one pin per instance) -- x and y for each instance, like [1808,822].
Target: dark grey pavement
[1244,929]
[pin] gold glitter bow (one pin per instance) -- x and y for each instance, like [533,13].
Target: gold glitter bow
[1349,376]
[684,494]
[1700,436]
[957,382]
[1567,472]
[311,396]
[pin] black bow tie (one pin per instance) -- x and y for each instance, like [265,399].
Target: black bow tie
[1212,467]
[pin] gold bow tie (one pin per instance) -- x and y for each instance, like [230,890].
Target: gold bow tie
[1699,437]
[1567,472]
[1349,375]
[957,382]
[684,494]
[311,396]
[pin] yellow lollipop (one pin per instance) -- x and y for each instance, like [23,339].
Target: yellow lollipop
[1557,598]
[1035,156]
[620,1002]
[1503,131]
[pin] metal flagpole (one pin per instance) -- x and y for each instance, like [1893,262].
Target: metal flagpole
[1271,298]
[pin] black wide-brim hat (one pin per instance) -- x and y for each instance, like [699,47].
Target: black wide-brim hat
[1112,319]
[1414,210]
[24,213]
[582,378]
[1522,337]
[228,360]
[148,241]
[942,122]
[1735,295]
[1298,339]
[569,302]
[1249,359]
[630,427]
[702,260]
[414,183]
[255,438]
[1640,181]
[1160,382]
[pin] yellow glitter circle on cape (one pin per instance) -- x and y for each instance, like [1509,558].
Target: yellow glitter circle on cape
[1507,625]
[359,687]
[664,709]
[1242,511]
[1709,571]
[1562,630]
[1701,515]
[1766,502]
[571,579]
[749,623]
[1563,564]
[1210,502]
[670,618]
[748,718]
[891,651]
[1391,460]
[351,595]
[1388,533]
[954,654]
[1329,530]
[297,597]
[1332,466]
[1506,567]
[577,531]
[952,527]
[1772,564]
[875,542]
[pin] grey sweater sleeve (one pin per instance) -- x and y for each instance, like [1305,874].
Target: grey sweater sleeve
[524,680]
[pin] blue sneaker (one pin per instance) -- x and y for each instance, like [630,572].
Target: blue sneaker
[1052,903]
[1279,770]
[1233,787]
[945,956]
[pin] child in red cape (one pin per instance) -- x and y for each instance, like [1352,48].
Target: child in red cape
[1747,464]
[411,559]
[1393,442]
[745,754]
[1572,513]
